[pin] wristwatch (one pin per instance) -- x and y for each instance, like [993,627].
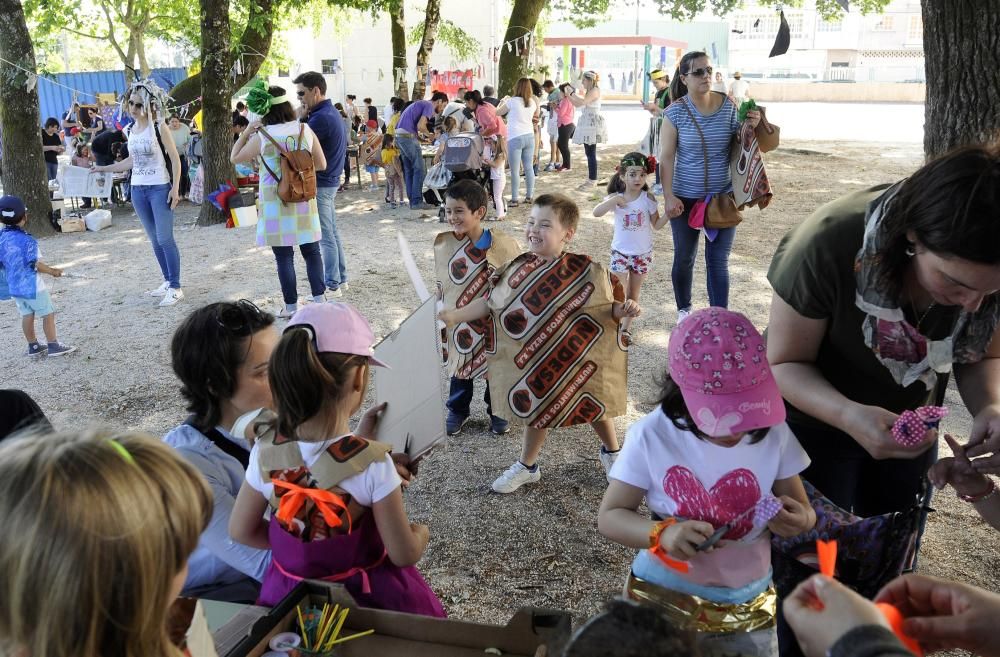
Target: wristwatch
[972,499]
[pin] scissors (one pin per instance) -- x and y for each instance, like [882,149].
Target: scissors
[722,531]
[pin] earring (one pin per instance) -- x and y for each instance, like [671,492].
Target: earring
[910,251]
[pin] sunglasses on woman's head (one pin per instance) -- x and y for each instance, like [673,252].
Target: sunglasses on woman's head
[701,72]
[240,317]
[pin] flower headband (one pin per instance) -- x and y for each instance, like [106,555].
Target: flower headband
[153,97]
[637,160]
[260,101]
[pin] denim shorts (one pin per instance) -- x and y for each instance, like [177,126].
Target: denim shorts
[41,305]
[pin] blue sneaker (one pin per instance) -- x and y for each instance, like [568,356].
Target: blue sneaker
[60,349]
[455,422]
[35,349]
[498,425]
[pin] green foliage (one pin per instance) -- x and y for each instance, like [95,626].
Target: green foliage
[462,45]
[583,13]
[686,10]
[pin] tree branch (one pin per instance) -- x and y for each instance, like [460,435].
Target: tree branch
[99,37]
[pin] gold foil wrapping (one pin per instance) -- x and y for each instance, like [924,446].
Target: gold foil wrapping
[699,615]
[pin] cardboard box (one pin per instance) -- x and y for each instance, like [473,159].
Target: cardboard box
[403,635]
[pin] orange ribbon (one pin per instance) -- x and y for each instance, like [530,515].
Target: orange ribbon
[826,554]
[290,503]
[676,564]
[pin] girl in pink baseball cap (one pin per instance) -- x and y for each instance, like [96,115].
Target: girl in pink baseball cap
[718,468]
[336,503]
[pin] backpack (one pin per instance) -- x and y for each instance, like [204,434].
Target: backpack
[372,149]
[196,150]
[159,140]
[463,152]
[298,173]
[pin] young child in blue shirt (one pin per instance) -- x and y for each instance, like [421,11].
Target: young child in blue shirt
[21,278]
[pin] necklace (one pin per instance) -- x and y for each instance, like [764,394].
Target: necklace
[921,318]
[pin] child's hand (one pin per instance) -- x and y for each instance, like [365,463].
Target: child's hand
[446,316]
[406,469]
[958,471]
[55,271]
[672,206]
[629,308]
[793,519]
[620,200]
[681,540]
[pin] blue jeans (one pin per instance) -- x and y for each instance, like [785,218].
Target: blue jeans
[284,256]
[152,204]
[716,261]
[413,168]
[52,169]
[522,153]
[334,262]
[460,396]
[591,151]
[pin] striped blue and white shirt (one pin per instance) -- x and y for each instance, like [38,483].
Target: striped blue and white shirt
[689,165]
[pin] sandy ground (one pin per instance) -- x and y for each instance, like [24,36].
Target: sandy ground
[489,554]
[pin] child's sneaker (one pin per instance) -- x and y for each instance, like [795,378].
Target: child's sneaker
[498,425]
[455,422]
[172,296]
[60,349]
[35,349]
[607,460]
[394,205]
[160,291]
[516,476]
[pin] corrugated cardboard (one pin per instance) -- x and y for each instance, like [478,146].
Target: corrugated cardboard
[560,359]
[407,635]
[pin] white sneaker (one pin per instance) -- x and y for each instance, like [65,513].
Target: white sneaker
[160,291]
[607,460]
[287,313]
[681,314]
[335,294]
[516,476]
[344,287]
[172,296]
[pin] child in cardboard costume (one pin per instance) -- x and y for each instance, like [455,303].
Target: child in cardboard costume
[559,359]
[464,260]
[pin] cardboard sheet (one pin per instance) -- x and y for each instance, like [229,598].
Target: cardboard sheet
[414,420]
[80,182]
[560,360]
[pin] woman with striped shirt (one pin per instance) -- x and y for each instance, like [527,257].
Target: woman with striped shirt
[682,172]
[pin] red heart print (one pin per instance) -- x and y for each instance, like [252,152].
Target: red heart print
[734,492]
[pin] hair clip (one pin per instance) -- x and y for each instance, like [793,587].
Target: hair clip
[122,451]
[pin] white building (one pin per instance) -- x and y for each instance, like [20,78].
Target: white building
[886,47]
[360,61]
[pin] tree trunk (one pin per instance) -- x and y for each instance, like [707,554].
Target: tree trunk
[216,120]
[397,26]
[262,15]
[962,55]
[513,67]
[23,166]
[432,20]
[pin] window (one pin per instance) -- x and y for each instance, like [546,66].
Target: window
[329,66]
[829,26]
[885,24]
[916,29]
[765,26]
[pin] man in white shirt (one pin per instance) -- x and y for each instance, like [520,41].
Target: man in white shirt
[739,89]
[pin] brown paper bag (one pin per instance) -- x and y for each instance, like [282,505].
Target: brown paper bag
[559,356]
[464,272]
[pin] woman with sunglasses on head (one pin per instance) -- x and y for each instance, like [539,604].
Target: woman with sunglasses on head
[220,354]
[699,126]
[156,168]
[590,129]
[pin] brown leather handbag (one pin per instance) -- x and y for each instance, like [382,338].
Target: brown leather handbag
[721,211]
[298,171]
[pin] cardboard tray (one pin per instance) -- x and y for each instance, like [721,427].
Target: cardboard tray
[410,635]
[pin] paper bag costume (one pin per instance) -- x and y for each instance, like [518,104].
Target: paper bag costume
[559,357]
[464,272]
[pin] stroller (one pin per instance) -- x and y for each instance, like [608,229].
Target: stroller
[463,160]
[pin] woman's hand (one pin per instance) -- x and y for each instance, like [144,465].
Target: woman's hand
[681,540]
[985,439]
[871,427]
[943,615]
[793,519]
[753,116]
[253,128]
[175,196]
[405,468]
[958,471]
[97,169]
[821,610]
[673,206]
[369,421]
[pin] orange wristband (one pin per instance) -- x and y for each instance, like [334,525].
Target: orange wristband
[658,529]
[659,552]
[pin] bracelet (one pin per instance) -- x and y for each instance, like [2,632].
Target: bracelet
[658,529]
[659,552]
[972,499]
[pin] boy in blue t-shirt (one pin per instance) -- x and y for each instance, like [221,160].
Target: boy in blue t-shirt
[21,278]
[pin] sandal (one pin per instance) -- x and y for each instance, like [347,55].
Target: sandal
[513,204]
[529,200]
[627,338]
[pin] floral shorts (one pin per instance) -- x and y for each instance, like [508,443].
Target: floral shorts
[637,264]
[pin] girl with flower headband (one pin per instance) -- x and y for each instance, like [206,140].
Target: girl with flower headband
[156,167]
[282,226]
[337,509]
[719,470]
[636,216]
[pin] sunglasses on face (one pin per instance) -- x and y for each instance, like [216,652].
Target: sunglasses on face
[136,105]
[701,72]
[239,318]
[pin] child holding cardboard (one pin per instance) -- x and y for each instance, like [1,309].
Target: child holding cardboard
[465,258]
[559,358]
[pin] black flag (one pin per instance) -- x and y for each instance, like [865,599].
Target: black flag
[783,40]
[843,3]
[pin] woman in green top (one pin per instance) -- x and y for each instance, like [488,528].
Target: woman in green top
[661,82]
[877,296]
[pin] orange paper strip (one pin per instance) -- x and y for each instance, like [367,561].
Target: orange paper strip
[826,552]
[895,619]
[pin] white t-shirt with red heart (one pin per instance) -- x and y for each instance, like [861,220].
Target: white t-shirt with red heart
[694,479]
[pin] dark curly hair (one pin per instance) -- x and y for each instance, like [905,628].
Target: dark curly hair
[205,356]
[673,406]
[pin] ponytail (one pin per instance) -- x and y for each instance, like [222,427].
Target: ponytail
[677,88]
[616,185]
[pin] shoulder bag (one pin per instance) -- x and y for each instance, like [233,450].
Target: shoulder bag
[721,211]
[298,172]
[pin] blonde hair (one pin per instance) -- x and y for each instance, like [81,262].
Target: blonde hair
[97,526]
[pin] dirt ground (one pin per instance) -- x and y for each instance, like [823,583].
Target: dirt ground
[489,554]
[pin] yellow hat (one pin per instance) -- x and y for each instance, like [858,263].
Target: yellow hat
[656,74]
